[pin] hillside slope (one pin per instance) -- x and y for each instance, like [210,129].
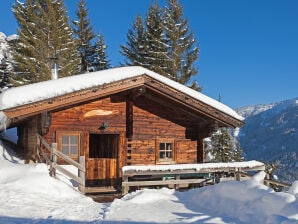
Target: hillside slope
[271,134]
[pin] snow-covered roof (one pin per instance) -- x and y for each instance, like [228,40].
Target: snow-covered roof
[198,167]
[48,89]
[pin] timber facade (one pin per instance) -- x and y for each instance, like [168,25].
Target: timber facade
[134,121]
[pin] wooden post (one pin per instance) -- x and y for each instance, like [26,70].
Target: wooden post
[200,151]
[82,175]
[38,145]
[238,174]
[125,188]
[267,177]
[129,118]
[177,177]
[53,159]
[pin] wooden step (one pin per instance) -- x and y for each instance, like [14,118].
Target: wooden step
[92,190]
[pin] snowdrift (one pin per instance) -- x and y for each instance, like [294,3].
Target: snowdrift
[29,195]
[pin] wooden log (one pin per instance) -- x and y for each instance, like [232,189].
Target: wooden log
[81,174]
[53,159]
[44,142]
[71,175]
[161,182]
[125,188]
[44,155]
[70,161]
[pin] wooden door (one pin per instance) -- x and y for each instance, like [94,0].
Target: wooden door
[102,164]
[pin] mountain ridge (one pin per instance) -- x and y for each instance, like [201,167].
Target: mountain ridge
[270,134]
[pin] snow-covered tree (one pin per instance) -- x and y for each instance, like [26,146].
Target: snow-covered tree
[223,147]
[164,44]
[84,35]
[156,55]
[4,62]
[92,53]
[135,49]
[183,50]
[44,36]
[99,57]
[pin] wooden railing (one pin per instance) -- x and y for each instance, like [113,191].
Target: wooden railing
[182,174]
[52,162]
[268,181]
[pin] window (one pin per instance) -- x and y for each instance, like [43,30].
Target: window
[69,143]
[165,151]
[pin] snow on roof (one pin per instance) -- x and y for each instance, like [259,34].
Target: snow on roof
[52,88]
[198,167]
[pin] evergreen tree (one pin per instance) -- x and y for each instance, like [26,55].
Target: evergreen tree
[135,49]
[224,147]
[44,34]
[99,58]
[183,51]
[4,79]
[156,55]
[84,35]
[163,44]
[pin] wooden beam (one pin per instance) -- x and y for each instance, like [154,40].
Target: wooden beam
[129,118]
[193,103]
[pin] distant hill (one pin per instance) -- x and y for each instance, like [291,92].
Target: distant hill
[270,134]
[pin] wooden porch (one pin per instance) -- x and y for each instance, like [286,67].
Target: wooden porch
[135,177]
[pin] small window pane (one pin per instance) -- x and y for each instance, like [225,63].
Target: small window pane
[73,150]
[169,155]
[73,140]
[169,146]
[161,154]
[64,150]
[65,140]
[161,146]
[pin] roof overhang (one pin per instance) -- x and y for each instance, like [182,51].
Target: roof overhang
[176,92]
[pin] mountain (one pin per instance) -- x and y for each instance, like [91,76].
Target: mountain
[270,134]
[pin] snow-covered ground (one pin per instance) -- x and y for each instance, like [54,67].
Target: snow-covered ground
[29,195]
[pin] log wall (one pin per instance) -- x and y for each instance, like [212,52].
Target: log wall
[147,123]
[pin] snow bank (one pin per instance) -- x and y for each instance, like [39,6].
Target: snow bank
[53,88]
[28,194]
[228,202]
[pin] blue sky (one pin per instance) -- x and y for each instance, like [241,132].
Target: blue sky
[248,48]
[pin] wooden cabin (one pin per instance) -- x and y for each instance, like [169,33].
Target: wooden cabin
[117,117]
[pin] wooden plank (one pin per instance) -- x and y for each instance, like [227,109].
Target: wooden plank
[162,182]
[100,190]
[44,155]
[71,175]
[44,142]
[82,175]
[70,161]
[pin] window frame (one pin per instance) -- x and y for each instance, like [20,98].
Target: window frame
[60,134]
[158,149]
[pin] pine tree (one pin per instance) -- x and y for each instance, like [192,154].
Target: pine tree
[183,51]
[156,55]
[223,147]
[163,44]
[4,79]
[99,58]
[44,34]
[84,35]
[135,49]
